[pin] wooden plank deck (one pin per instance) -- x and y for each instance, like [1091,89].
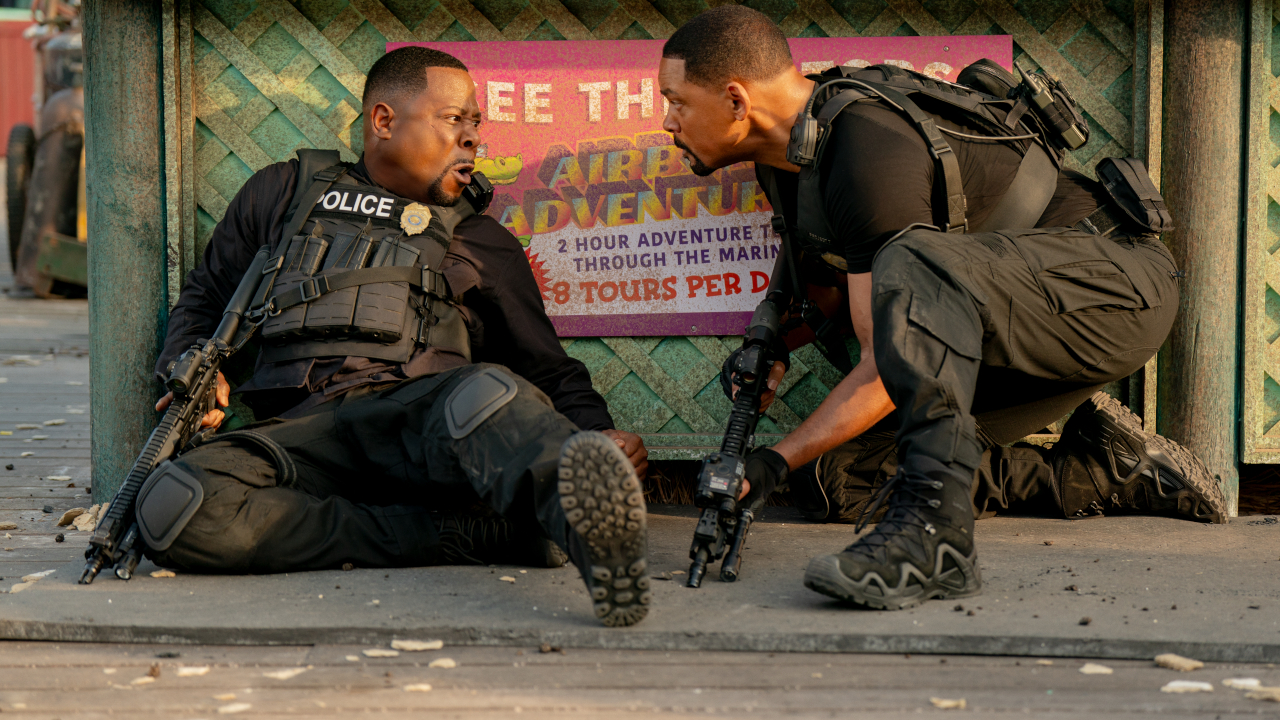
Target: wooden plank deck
[44,376]
[92,680]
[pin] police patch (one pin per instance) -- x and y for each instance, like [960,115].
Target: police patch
[415,218]
[358,203]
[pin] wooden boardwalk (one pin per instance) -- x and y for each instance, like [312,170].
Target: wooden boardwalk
[92,681]
[45,371]
[44,378]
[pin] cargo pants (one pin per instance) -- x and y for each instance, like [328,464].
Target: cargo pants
[370,466]
[983,339]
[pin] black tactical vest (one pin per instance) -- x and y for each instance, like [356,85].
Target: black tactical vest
[357,271]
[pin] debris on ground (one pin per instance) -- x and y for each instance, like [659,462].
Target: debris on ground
[20,360]
[443,663]
[507,578]
[26,454]
[58,478]
[47,509]
[55,423]
[353,658]
[1095,669]
[416,645]
[1242,683]
[193,670]
[1186,686]
[549,648]
[163,573]
[8,526]
[1271,694]
[1177,662]
[144,680]
[59,538]
[946,704]
[418,687]
[70,515]
[36,576]
[1086,620]
[26,426]
[379,652]
[20,587]
[1044,662]
[284,674]
[154,671]
[233,708]
[88,520]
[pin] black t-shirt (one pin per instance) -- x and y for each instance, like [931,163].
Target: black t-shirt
[485,264]
[885,181]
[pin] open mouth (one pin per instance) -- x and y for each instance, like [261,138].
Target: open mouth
[463,173]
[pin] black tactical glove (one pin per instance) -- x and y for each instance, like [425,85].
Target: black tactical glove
[766,470]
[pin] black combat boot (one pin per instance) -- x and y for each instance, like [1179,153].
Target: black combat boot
[604,505]
[922,549]
[1105,462]
[478,540]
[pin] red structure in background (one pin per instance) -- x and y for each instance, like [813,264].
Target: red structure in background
[17,77]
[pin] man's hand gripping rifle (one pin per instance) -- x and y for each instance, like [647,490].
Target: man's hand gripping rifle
[192,379]
[723,523]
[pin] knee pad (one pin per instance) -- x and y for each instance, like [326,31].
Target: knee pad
[166,502]
[476,399]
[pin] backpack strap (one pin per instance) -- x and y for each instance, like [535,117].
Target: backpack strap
[1027,196]
[947,179]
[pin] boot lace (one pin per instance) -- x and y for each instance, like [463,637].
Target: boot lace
[907,505]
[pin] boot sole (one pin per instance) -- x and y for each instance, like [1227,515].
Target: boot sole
[603,502]
[1200,498]
[963,580]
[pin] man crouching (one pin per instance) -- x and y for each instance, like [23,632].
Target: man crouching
[412,421]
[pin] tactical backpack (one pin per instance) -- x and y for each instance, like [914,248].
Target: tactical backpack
[1037,116]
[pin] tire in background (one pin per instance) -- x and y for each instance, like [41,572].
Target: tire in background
[20,157]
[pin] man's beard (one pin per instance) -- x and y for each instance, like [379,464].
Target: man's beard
[696,166]
[436,194]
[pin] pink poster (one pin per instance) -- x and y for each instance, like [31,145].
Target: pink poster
[622,238]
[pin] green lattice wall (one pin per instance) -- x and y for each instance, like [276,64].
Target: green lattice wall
[248,82]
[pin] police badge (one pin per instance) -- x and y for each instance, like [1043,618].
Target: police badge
[414,218]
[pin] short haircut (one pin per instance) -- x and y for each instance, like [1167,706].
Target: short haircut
[729,42]
[402,71]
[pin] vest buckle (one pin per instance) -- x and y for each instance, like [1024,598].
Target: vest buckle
[273,265]
[311,289]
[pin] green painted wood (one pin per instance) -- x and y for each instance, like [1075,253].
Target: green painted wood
[1259,390]
[1202,184]
[126,216]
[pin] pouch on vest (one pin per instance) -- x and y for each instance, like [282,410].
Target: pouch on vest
[1129,185]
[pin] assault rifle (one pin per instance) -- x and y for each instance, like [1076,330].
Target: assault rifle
[723,524]
[192,379]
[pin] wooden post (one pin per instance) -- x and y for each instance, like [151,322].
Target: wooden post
[125,187]
[1202,181]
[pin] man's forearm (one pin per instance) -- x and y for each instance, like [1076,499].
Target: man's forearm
[853,406]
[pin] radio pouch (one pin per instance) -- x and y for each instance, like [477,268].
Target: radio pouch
[1130,186]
